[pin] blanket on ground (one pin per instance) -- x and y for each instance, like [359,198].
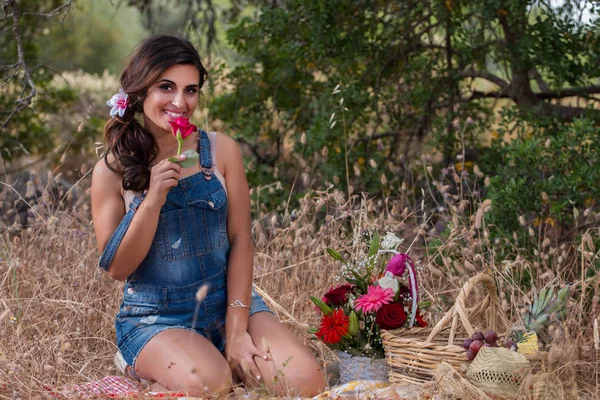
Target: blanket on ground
[124,387]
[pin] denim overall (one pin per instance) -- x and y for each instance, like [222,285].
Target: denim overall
[190,249]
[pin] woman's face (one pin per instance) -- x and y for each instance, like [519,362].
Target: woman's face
[174,94]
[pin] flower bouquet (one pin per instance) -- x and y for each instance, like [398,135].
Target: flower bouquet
[376,295]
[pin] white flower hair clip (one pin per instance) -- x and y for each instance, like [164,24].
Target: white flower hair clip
[118,103]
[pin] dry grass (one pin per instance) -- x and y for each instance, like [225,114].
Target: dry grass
[57,307]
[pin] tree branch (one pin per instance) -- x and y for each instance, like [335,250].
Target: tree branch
[51,13]
[540,81]
[559,94]
[484,75]
[27,80]
[385,134]
[485,95]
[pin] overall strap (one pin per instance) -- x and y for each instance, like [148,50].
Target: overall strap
[204,150]
[115,240]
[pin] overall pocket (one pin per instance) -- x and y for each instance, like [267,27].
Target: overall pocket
[194,230]
[137,303]
[138,308]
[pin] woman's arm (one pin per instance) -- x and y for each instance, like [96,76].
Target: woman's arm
[240,349]
[108,211]
[241,255]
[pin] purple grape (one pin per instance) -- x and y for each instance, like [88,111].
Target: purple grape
[478,336]
[511,345]
[476,345]
[467,343]
[471,355]
[491,336]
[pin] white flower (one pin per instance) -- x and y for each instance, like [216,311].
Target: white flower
[390,241]
[118,103]
[388,281]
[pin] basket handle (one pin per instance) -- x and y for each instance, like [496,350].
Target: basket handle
[459,311]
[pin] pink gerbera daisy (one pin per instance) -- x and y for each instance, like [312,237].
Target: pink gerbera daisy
[375,297]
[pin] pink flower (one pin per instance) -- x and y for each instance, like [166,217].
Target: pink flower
[375,297]
[118,103]
[397,266]
[182,125]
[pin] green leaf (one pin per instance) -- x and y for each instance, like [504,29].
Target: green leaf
[362,284]
[354,282]
[373,247]
[322,305]
[353,324]
[424,304]
[191,159]
[336,256]
[545,297]
[563,295]
[312,330]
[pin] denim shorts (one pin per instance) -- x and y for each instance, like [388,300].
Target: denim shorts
[146,311]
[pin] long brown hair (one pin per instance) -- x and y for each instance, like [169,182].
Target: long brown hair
[133,147]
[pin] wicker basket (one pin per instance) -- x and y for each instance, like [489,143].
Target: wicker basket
[414,354]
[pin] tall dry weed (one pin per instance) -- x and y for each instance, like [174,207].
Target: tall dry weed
[57,307]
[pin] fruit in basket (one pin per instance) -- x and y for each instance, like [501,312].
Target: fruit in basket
[491,337]
[475,346]
[467,343]
[511,345]
[478,336]
[471,355]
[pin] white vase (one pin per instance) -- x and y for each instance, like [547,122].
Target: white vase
[354,368]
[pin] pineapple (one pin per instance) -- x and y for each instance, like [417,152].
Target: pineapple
[547,308]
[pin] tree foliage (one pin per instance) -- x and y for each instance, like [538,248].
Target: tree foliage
[26,94]
[406,70]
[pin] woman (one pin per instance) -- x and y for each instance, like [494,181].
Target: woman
[180,238]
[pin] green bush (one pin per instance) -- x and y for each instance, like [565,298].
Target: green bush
[543,178]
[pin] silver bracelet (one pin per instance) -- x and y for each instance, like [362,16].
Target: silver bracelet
[237,304]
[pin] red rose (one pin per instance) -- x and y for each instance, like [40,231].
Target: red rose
[333,327]
[403,290]
[419,320]
[182,125]
[338,295]
[391,316]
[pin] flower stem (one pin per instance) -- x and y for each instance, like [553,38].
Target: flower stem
[179,143]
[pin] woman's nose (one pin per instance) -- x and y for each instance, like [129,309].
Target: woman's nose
[178,100]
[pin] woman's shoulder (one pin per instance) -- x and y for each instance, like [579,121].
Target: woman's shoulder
[105,174]
[225,145]
[223,139]
[227,151]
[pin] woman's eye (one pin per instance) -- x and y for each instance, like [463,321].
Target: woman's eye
[165,87]
[192,90]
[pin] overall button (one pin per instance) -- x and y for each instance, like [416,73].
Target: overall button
[130,291]
[211,204]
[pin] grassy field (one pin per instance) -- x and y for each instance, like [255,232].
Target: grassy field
[57,307]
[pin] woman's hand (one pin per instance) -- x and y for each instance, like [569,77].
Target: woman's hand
[240,352]
[163,176]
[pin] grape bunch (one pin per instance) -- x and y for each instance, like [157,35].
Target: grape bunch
[479,340]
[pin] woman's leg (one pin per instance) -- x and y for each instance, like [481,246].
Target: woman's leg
[186,361]
[293,367]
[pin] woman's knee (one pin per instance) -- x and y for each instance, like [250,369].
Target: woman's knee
[303,376]
[207,379]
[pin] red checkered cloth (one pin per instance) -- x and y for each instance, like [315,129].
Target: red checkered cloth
[107,387]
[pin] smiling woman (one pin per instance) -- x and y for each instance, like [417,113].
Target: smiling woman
[180,237]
